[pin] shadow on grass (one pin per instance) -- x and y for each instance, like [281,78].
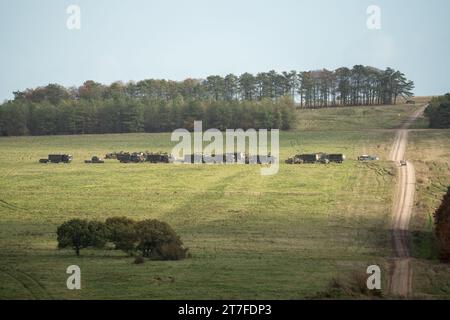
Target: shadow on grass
[424,245]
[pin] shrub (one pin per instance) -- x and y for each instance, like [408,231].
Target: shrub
[353,285]
[79,234]
[139,260]
[158,241]
[122,232]
[442,227]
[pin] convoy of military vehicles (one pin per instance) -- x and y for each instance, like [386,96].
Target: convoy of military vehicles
[228,158]
[320,157]
[164,157]
[137,157]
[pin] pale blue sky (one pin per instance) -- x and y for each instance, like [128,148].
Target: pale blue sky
[176,39]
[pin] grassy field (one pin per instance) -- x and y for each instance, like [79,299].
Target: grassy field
[430,150]
[283,236]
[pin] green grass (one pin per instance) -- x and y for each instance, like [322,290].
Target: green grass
[251,237]
[430,150]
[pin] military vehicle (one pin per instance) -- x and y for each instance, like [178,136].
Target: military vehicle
[368,158]
[218,159]
[239,157]
[308,158]
[112,155]
[94,159]
[213,159]
[260,159]
[223,158]
[57,158]
[135,157]
[158,157]
[320,157]
[403,163]
[193,158]
[336,158]
[230,158]
[166,158]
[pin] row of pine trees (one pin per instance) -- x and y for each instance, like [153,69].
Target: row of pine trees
[126,115]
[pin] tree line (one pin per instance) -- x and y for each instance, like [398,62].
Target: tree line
[438,112]
[265,100]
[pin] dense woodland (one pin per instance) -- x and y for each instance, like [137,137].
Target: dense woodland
[439,112]
[266,100]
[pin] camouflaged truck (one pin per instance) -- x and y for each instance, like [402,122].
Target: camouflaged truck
[135,157]
[158,157]
[57,158]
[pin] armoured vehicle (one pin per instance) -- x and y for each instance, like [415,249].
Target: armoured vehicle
[57,158]
[94,159]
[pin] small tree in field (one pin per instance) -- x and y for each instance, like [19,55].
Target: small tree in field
[122,232]
[158,241]
[79,234]
[442,220]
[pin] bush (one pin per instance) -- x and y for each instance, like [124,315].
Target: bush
[139,260]
[122,232]
[158,241]
[353,286]
[79,234]
[442,227]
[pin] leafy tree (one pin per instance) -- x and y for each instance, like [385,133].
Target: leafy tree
[122,232]
[158,241]
[13,119]
[78,234]
[438,112]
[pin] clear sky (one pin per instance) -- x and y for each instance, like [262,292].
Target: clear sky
[177,39]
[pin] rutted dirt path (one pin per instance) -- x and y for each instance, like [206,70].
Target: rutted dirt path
[400,283]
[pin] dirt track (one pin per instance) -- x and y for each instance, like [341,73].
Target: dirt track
[400,284]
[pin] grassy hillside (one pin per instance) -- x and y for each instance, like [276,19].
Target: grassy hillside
[284,236]
[359,118]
